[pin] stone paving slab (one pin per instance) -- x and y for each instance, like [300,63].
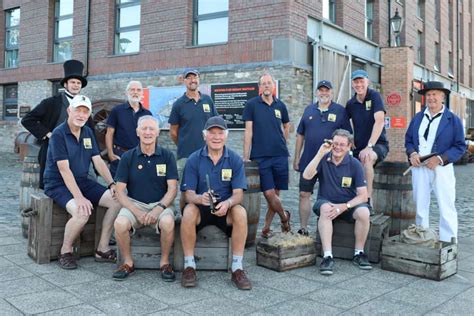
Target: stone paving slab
[34,303]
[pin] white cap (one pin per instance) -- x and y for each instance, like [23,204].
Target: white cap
[81,100]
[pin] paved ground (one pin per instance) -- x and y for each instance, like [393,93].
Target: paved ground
[28,288]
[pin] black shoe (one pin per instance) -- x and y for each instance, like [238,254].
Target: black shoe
[303,232]
[362,261]
[326,266]
[123,272]
[167,273]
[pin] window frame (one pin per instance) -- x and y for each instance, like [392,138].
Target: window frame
[369,20]
[118,30]
[420,57]
[437,51]
[331,10]
[420,9]
[58,41]
[9,102]
[206,17]
[9,28]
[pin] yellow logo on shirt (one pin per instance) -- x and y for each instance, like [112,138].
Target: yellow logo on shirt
[226,174]
[368,105]
[206,108]
[278,114]
[161,170]
[331,117]
[346,182]
[87,143]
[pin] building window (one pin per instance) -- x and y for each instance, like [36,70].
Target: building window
[437,15]
[12,33]
[127,26]
[369,19]
[329,10]
[211,22]
[437,64]
[63,11]
[420,9]
[10,102]
[419,48]
[450,65]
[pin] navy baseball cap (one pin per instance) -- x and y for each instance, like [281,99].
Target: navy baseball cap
[187,72]
[359,74]
[215,121]
[324,83]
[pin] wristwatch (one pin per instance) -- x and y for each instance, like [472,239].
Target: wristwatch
[348,205]
[161,205]
[370,145]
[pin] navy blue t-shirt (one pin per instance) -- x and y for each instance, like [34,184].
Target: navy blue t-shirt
[268,139]
[191,117]
[362,115]
[124,120]
[316,125]
[339,184]
[63,145]
[146,176]
[228,174]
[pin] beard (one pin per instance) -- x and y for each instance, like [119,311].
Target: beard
[134,99]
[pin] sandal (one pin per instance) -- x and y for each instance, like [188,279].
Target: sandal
[67,261]
[285,225]
[267,233]
[108,256]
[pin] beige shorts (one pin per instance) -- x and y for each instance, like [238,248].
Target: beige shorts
[125,212]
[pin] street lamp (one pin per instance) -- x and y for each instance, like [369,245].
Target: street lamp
[396,23]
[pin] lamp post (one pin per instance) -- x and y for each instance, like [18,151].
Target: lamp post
[396,23]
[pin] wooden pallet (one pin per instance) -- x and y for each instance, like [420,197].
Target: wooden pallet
[284,252]
[46,230]
[343,239]
[432,263]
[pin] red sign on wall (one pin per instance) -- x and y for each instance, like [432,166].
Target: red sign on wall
[398,122]
[394,99]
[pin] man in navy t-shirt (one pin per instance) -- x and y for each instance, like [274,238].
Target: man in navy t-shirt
[367,113]
[267,126]
[342,194]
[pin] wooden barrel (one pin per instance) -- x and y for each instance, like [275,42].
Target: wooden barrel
[29,184]
[392,195]
[252,200]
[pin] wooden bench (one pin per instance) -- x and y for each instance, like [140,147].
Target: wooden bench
[343,239]
[46,230]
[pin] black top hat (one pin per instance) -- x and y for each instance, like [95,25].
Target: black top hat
[73,69]
[434,85]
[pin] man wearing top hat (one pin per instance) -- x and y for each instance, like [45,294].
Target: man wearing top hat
[52,111]
[438,132]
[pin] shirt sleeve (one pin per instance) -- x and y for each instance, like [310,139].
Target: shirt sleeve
[345,122]
[122,170]
[248,112]
[285,118]
[190,176]
[58,148]
[213,107]
[171,167]
[377,102]
[239,181]
[359,176]
[112,118]
[301,128]
[174,115]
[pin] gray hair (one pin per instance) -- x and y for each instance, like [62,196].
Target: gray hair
[265,74]
[344,133]
[146,118]
[133,82]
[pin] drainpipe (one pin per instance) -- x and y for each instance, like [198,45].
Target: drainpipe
[86,57]
[458,39]
[389,26]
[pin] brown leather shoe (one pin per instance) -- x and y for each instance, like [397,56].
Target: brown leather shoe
[240,280]
[188,279]
[285,225]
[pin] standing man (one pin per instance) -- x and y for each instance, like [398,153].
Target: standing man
[122,124]
[367,113]
[266,133]
[52,111]
[225,171]
[152,167]
[438,132]
[318,122]
[188,116]
[342,194]
[72,148]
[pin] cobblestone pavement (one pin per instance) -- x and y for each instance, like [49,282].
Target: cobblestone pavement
[29,288]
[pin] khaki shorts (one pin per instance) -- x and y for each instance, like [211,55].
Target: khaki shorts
[125,212]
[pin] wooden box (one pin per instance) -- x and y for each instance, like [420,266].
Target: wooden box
[286,251]
[146,249]
[343,240]
[212,252]
[46,230]
[432,263]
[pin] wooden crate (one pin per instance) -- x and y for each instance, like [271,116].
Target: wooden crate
[286,251]
[46,230]
[145,249]
[213,249]
[343,239]
[432,263]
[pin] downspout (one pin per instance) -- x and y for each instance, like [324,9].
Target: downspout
[86,56]
[389,26]
[315,45]
[458,38]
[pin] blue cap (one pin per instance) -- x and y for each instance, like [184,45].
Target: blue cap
[359,74]
[324,83]
[215,121]
[187,72]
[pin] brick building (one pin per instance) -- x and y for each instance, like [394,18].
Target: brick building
[298,41]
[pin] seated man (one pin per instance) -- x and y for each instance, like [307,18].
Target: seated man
[342,193]
[71,148]
[225,171]
[148,172]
